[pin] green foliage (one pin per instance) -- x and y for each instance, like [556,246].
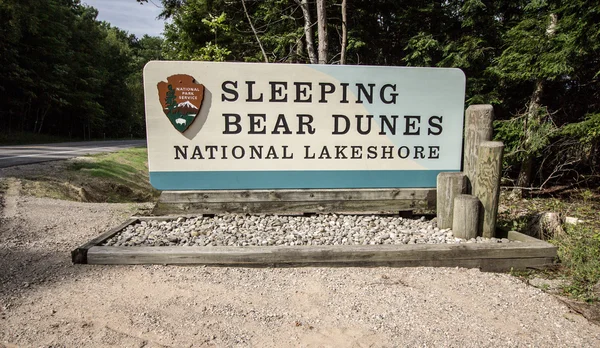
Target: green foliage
[219,31]
[534,49]
[578,251]
[586,132]
[422,47]
[216,24]
[211,52]
[142,51]
[512,133]
[62,72]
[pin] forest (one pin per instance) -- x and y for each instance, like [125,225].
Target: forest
[64,73]
[537,62]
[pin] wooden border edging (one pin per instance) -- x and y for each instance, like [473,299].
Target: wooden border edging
[530,253]
[489,257]
[294,201]
[79,255]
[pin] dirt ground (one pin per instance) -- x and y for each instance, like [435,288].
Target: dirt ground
[45,301]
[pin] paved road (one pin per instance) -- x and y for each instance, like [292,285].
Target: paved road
[27,154]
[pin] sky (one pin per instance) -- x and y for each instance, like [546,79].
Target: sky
[130,16]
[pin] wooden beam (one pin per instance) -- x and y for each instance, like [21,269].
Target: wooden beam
[345,254]
[514,235]
[79,255]
[374,201]
[308,195]
[374,207]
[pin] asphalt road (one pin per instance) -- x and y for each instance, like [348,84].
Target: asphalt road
[27,154]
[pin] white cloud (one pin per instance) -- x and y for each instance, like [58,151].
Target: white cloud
[130,16]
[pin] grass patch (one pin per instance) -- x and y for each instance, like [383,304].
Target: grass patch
[121,176]
[117,177]
[578,247]
[579,252]
[118,166]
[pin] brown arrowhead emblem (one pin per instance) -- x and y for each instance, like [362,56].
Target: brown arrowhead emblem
[181,99]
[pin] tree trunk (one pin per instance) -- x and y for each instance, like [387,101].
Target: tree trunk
[37,117]
[344,33]
[299,51]
[308,31]
[322,27]
[533,114]
[533,118]
[254,31]
[42,120]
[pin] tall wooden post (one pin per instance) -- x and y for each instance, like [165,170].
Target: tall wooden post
[449,185]
[478,128]
[487,183]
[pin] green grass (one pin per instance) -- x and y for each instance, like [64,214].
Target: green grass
[578,247]
[119,175]
[579,253]
[119,166]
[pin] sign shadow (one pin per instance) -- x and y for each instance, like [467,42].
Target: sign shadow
[202,116]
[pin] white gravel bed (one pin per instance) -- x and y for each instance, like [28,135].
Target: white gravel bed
[273,230]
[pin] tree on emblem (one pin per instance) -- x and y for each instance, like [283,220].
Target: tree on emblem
[171,100]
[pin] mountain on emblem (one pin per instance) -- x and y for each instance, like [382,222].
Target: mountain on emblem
[181,99]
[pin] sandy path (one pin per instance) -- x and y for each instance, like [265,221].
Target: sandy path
[45,301]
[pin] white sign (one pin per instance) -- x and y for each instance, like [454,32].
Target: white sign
[268,126]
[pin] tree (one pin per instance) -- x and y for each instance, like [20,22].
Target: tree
[274,26]
[72,80]
[143,50]
[533,55]
[323,36]
[262,50]
[308,31]
[171,100]
[344,32]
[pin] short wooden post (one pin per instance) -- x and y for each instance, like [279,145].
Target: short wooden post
[449,185]
[466,219]
[487,183]
[478,128]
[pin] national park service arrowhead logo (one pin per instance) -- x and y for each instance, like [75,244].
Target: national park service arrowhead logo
[181,99]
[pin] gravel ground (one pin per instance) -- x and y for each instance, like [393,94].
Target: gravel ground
[269,230]
[45,301]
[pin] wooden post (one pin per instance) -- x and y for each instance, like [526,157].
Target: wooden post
[466,219]
[449,185]
[487,183]
[478,128]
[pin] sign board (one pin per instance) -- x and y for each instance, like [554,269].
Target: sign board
[285,126]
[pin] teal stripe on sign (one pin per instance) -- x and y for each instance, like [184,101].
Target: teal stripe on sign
[318,179]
